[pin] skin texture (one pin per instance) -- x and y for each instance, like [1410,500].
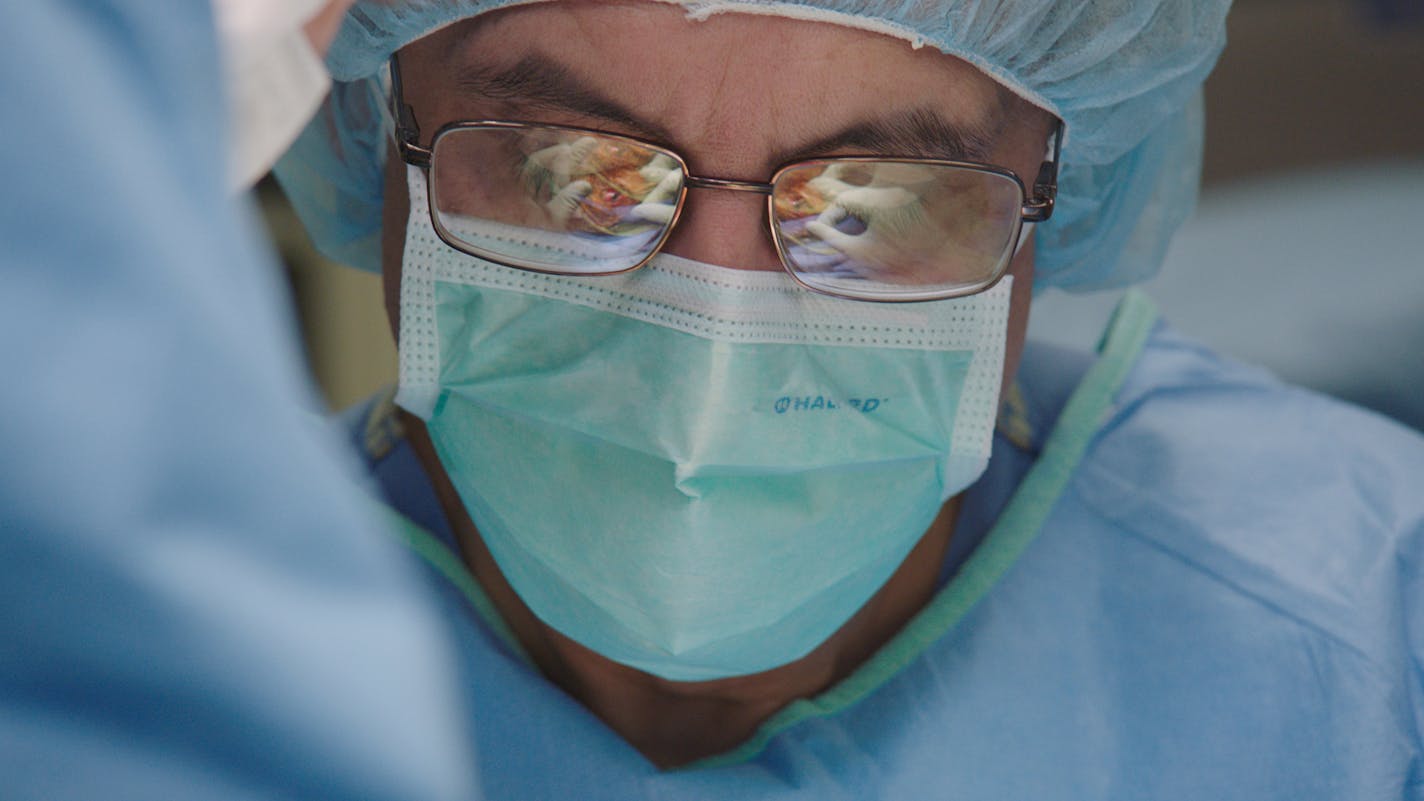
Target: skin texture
[736,95]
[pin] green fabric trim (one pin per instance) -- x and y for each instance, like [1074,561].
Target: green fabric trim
[446,563]
[1015,530]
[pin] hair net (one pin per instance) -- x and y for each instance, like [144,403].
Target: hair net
[1123,75]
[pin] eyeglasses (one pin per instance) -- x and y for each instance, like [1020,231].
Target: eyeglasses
[576,201]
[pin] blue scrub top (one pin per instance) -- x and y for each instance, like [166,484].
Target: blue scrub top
[1222,599]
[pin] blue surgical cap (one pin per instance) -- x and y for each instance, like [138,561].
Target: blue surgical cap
[1123,75]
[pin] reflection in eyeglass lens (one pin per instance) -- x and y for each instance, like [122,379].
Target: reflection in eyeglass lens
[603,186]
[891,222]
[586,203]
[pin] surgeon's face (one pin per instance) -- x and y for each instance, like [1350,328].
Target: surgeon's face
[736,95]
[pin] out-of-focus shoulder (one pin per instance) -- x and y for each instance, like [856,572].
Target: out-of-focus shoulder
[1212,406]
[1300,500]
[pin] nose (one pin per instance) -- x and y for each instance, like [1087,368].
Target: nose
[726,228]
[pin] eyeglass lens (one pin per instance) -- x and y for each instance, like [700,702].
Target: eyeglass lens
[555,200]
[575,202]
[890,228]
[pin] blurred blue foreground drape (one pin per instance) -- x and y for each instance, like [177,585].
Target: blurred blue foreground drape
[195,601]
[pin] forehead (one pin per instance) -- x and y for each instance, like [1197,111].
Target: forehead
[733,82]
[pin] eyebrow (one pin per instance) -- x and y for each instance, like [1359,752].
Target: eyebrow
[540,82]
[537,81]
[918,133]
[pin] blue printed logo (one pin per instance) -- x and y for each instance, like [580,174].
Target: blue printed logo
[821,403]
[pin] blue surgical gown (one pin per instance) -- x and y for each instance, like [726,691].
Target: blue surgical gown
[1222,598]
[196,600]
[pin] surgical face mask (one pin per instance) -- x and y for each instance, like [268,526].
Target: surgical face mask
[275,80]
[696,471]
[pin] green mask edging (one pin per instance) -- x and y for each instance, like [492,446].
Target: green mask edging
[446,563]
[1015,530]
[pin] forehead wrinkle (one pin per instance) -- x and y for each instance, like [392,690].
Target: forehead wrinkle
[541,81]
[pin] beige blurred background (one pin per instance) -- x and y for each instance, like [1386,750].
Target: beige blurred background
[1302,84]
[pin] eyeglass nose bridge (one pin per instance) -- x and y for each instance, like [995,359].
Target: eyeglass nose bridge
[765,189]
[757,187]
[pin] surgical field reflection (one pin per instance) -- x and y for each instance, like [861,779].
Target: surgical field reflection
[896,222]
[578,202]
[553,199]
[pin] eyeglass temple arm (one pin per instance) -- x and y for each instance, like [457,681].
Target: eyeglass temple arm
[407,130]
[1045,187]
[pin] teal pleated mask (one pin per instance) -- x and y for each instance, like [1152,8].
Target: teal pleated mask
[696,471]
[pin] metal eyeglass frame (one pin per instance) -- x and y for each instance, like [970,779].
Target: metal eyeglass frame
[1036,208]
